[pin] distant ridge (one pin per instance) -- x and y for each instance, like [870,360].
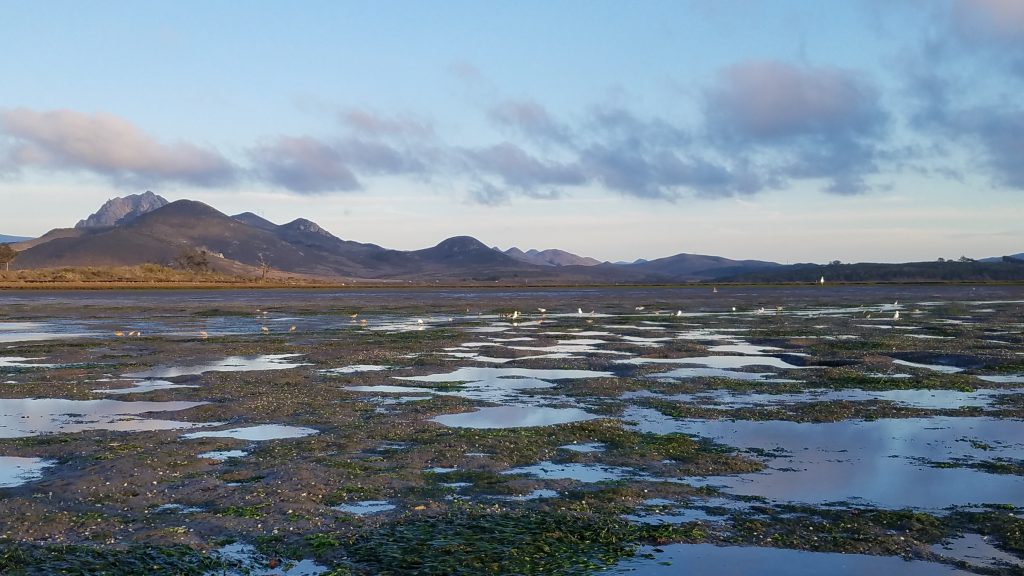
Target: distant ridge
[550,257]
[1017,256]
[118,211]
[699,266]
[255,221]
[184,232]
[7,239]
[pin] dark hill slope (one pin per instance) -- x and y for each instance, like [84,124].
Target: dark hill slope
[684,267]
[948,271]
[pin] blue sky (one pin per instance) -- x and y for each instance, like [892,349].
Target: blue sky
[858,130]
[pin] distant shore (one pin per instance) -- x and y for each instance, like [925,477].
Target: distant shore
[153,277]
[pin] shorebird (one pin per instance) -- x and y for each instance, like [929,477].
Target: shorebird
[203,334]
[822,281]
[679,312]
[542,310]
[639,308]
[896,316]
[579,311]
[118,333]
[292,329]
[264,329]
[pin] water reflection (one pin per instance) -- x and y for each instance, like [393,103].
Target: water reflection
[230,364]
[256,433]
[514,417]
[21,417]
[881,462]
[677,559]
[15,471]
[366,507]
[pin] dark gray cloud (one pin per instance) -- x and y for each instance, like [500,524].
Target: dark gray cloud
[999,132]
[818,122]
[303,165]
[309,165]
[518,169]
[667,175]
[105,145]
[980,114]
[765,100]
[614,124]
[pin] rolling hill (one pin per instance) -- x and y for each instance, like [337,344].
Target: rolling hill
[146,230]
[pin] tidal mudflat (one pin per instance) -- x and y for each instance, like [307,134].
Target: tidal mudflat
[467,431]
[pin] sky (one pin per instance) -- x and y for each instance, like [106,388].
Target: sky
[783,130]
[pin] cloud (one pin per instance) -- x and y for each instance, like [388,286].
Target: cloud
[466,71]
[989,20]
[962,87]
[311,166]
[818,122]
[374,125]
[530,119]
[997,131]
[769,100]
[666,175]
[305,165]
[106,145]
[519,169]
[621,125]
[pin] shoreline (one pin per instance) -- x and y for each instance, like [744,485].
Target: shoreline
[29,286]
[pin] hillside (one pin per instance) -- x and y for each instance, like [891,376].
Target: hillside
[947,271]
[550,257]
[698,267]
[193,236]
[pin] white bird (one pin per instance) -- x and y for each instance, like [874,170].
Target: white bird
[419,320]
[896,316]
[639,308]
[579,311]
[714,289]
[679,312]
[292,329]
[264,329]
[542,310]
[515,314]
[733,308]
[822,281]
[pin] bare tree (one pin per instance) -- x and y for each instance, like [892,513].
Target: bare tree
[7,254]
[264,267]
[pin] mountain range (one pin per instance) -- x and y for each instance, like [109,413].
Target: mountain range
[145,228]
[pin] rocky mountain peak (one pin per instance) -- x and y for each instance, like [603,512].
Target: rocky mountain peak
[303,225]
[118,211]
